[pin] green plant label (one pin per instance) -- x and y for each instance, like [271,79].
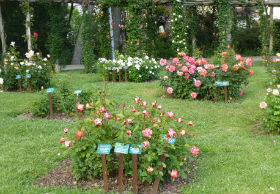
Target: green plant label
[136,149]
[50,90]
[28,76]
[122,149]
[18,77]
[77,91]
[224,83]
[169,140]
[104,148]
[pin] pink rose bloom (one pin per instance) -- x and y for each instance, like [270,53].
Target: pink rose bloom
[170,114]
[61,139]
[263,105]
[179,120]
[187,76]
[194,150]
[193,95]
[159,107]
[162,62]
[172,68]
[174,173]
[180,73]
[137,99]
[171,133]
[182,132]
[278,86]
[249,61]
[68,143]
[150,169]
[197,83]
[97,121]
[246,87]
[273,71]
[145,144]
[65,130]
[190,123]
[185,69]
[80,107]
[147,132]
[191,71]
[241,92]
[169,90]
[127,121]
[145,112]
[132,110]
[128,132]
[107,115]
[102,109]
[87,105]
[203,72]
[238,57]
[154,104]
[144,103]
[175,60]
[269,90]
[212,74]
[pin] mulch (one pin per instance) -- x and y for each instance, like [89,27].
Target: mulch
[56,116]
[63,177]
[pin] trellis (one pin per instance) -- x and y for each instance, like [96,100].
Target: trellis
[232,3]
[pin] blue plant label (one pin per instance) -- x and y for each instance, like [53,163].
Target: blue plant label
[28,76]
[18,77]
[77,91]
[224,83]
[169,140]
[125,67]
[50,90]
[136,149]
[104,148]
[122,149]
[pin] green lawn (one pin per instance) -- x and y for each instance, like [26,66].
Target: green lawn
[232,159]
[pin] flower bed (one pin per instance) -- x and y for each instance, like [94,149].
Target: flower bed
[188,77]
[35,67]
[155,132]
[138,69]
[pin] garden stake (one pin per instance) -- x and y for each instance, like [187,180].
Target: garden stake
[120,177]
[134,176]
[218,94]
[125,74]
[156,183]
[114,75]
[105,176]
[225,87]
[51,107]
[19,83]
[28,84]
[120,76]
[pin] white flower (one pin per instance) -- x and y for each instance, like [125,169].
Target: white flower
[275,92]
[37,54]
[13,44]
[27,71]
[165,77]
[48,56]
[22,63]
[278,86]
[45,59]
[12,64]
[29,54]
[1,81]
[146,57]
[140,75]
[147,67]
[16,67]
[39,67]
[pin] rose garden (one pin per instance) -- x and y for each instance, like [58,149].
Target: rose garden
[169,97]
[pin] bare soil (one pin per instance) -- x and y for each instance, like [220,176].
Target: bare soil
[57,116]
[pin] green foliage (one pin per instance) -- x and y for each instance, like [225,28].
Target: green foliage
[63,99]
[276,35]
[105,123]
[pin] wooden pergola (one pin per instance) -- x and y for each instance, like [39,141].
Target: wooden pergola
[234,3]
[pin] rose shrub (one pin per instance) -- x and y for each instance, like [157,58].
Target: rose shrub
[39,68]
[139,69]
[188,77]
[63,100]
[142,124]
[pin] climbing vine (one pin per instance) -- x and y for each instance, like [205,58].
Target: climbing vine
[178,27]
[192,23]
[224,22]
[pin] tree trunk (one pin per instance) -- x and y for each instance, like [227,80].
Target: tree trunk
[70,14]
[28,30]
[116,14]
[2,34]
[271,29]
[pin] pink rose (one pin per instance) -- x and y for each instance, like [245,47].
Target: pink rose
[132,110]
[137,99]
[172,68]
[170,114]
[169,90]
[191,71]
[144,103]
[150,169]
[174,173]
[80,107]
[145,144]
[162,62]
[179,120]
[269,90]
[197,83]
[65,130]
[128,132]
[159,107]
[171,133]
[263,105]
[182,132]
[193,95]
[185,69]
[68,143]
[145,112]
[179,73]
[61,139]
[212,74]
[147,132]
[241,92]
[190,123]
[194,150]
[97,121]
[107,115]
[102,109]
[175,60]
[249,61]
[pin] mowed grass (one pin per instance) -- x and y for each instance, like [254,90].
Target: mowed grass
[232,159]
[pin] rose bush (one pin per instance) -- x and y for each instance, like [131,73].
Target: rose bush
[34,64]
[188,77]
[142,123]
[139,69]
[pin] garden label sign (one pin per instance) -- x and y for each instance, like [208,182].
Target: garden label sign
[104,149]
[135,150]
[169,140]
[50,91]
[28,76]
[77,92]
[121,149]
[18,77]
[222,84]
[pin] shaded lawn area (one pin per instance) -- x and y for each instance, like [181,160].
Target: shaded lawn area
[232,159]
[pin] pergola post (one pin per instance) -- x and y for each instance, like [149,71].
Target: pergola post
[28,30]
[271,29]
[2,34]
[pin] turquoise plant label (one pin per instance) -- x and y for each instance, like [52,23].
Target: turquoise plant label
[77,91]
[136,149]
[169,140]
[104,148]
[50,90]
[224,83]
[18,77]
[119,148]
[28,76]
